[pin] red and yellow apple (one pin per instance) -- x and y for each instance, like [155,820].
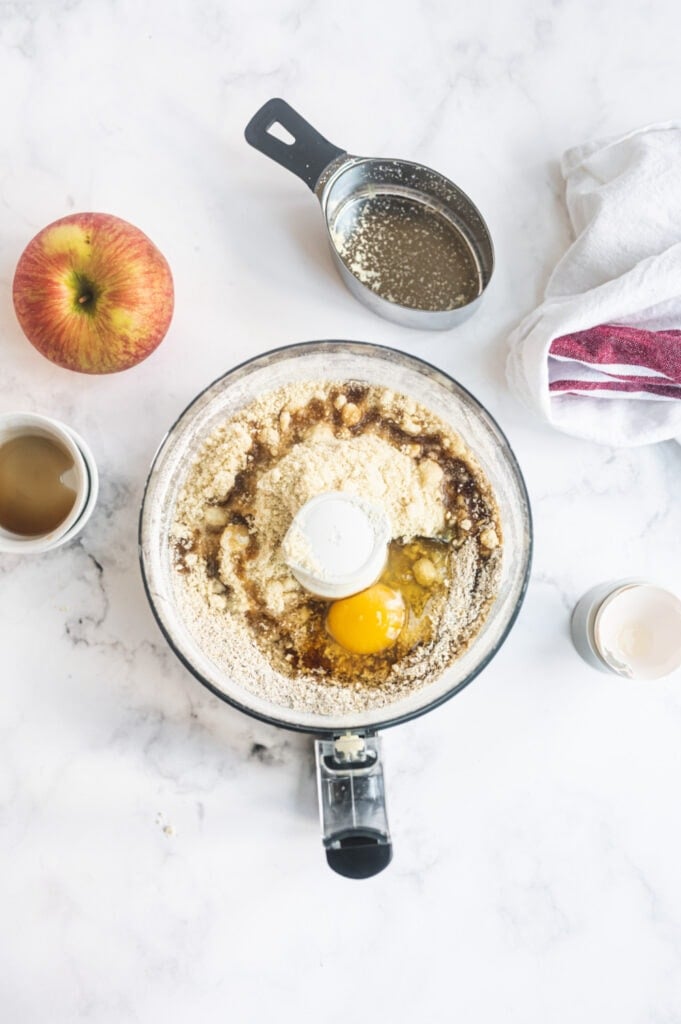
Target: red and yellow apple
[93,293]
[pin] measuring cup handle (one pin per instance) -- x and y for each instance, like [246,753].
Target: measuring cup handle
[306,155]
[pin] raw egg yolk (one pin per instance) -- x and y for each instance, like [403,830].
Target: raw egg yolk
[368,622]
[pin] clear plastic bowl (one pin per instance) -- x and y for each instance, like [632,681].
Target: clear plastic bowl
[335,360]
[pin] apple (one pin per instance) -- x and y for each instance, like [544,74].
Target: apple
[93,293]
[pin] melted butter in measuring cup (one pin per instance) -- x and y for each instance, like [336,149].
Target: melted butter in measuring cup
[407,251]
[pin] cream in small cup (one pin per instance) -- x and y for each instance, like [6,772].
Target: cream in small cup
[45,483]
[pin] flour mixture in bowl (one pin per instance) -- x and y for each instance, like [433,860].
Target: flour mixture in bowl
[240,598]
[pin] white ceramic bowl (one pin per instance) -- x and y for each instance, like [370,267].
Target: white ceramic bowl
[87,481]
[632,616]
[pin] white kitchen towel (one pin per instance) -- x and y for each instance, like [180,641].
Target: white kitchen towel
[601,356]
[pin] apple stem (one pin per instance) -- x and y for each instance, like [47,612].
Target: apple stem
[83,298]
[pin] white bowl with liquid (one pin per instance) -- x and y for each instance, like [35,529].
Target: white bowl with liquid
[84,479]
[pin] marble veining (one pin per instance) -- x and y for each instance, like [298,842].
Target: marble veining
[159,852]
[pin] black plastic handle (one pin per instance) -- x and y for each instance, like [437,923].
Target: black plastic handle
[306,156]
[359,853]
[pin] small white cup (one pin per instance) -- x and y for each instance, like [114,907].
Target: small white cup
[16,424]
[629,627]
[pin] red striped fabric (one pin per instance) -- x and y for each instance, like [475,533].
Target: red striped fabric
[618,358]
[625,386]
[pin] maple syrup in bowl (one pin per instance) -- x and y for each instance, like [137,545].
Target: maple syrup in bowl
[38,485]
[44,482]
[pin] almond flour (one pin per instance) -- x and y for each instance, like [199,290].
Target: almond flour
[240,599]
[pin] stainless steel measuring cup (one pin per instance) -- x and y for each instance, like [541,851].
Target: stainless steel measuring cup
[407,242]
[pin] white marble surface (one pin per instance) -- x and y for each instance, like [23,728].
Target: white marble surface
[159,853]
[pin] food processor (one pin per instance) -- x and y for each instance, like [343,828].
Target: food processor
[350,778]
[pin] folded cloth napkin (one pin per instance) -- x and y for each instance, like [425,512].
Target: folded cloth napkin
[601,356]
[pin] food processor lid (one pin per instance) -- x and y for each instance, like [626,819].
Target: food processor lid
[335,360]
